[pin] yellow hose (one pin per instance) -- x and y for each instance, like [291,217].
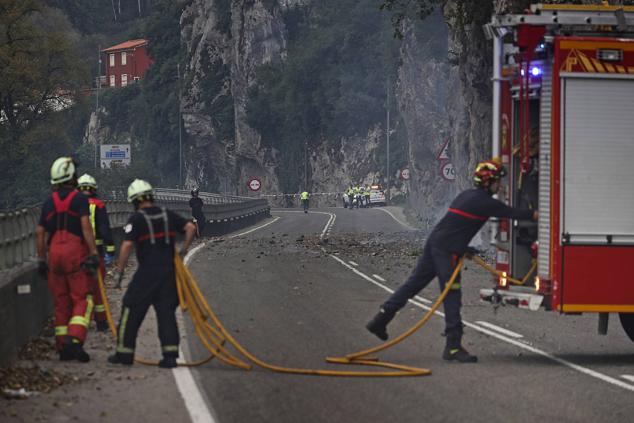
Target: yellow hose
[498,273]
[213,335]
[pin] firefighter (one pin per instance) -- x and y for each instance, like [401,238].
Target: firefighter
[196,204]
[105,243]
[304,197]
[447,242]
[64,227]
[152,231]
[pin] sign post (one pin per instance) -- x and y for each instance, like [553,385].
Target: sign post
[118,154]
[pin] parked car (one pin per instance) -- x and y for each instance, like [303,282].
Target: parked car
[377,196]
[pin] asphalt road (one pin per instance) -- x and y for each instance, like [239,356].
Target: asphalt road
[292,304]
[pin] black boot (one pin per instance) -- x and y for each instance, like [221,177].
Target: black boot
[118,358]
[454,351]
[74,350]
[378,325]
[168,362]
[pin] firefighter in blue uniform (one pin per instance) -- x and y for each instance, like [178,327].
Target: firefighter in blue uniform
[447,242]
[152,231]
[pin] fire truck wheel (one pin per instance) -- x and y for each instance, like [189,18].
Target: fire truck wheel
[627,320]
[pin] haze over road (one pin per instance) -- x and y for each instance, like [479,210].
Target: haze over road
[292,303]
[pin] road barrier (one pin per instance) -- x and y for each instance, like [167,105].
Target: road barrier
[25,304]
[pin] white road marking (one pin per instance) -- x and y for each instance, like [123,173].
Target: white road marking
[499,329]
[628,377]
[354,264]
[425,300]
[379,278]
[328,226]
[396,218]
[197,407]
[517,343]
[275,219]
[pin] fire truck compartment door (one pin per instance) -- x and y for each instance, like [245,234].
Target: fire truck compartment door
[598,160]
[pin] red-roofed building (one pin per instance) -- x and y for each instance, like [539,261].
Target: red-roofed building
[126,62]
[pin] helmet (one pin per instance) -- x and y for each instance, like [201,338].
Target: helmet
[63,170]
[195,191]
[86,182]
[488,171]
[140,190]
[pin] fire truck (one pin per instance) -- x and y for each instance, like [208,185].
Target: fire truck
[563,125]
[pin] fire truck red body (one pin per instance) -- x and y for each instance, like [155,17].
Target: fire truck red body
[564,127]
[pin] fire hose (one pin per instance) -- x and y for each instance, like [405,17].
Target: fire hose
[214,336]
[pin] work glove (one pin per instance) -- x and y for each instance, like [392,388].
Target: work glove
[108,259]
[118,277]
[42,268]
[90,264]
[470,252]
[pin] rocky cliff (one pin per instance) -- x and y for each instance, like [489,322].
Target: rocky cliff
[442,94]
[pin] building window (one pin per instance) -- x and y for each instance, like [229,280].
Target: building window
[111,60]
[124,59]
[112,82]
[124,80]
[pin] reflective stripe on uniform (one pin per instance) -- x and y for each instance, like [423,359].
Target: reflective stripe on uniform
[93,212]
[170,348]
[100,308]
[124,321]
[85,319]
[61,330]
[110,249]
[455,286]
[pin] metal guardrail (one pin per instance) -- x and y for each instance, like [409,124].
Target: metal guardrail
[17,227]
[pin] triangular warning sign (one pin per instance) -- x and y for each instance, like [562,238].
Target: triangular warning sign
[444,152]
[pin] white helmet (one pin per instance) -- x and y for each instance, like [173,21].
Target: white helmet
[140,190]
[63,170]
[86,181]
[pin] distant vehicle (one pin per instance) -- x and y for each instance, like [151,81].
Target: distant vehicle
[377,196]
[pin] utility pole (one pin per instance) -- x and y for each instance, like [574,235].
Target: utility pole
[180,136]
[97,102]
[305,165]
[387,193]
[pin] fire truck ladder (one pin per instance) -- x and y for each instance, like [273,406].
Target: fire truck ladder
[621,18]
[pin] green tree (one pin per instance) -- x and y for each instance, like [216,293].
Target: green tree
[40,79]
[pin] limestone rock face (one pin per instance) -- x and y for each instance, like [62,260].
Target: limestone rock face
[442,93]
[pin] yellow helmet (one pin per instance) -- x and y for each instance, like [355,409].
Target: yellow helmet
[140,190]
[86,182]
[488,171]
[63,170]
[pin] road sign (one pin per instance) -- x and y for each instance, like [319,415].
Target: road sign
[254,184]
[447,171]
[119,154]
[404,174]
[444,151]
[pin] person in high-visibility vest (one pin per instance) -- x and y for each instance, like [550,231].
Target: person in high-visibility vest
[449,240]
[105,243]
[151,230]
[304,197]
[367,196]
[64,230]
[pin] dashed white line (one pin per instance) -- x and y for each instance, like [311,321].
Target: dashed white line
[628,377]
[354,264]
[500,329]
[379,278]
[509,340]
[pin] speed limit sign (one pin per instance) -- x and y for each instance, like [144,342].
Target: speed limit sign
[254,184]
[447,171]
